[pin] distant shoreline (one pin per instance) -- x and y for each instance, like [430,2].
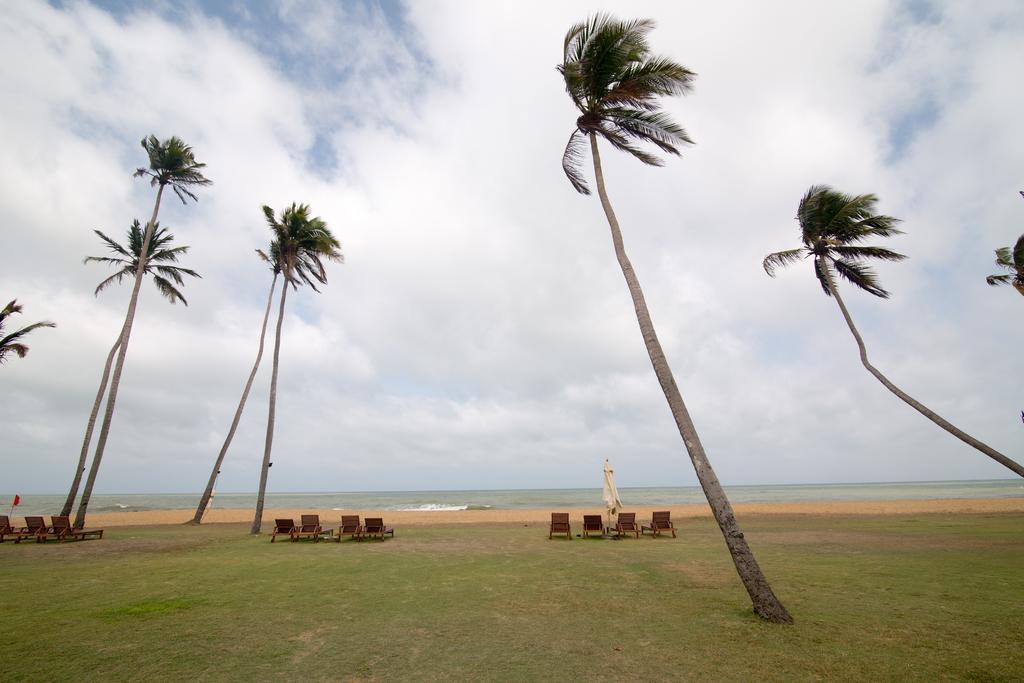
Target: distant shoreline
[330,517]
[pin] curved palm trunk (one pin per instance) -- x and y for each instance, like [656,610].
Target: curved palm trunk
[258,518]
[208,493]
[115,381]
[766,604]
[73,491]
[913,403]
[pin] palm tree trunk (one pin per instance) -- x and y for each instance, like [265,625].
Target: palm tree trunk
[766,604]
[913,403]
[258,519]
[115,381]
[84,454]
[208,493]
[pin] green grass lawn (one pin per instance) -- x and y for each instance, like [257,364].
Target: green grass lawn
[926,597]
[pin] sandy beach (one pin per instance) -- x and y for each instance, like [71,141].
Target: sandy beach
[507,516]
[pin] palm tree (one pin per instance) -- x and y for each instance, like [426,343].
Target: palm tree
[275,268]
[1013,262]
[303,241]
[832,226]
[171,163]
[12,343]
[159,260]
[615,83]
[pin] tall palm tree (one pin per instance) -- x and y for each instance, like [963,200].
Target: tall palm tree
[303,242]
[166,277]
[11,343]
[171,164]
[275,267]
[615,83]
[1013,263]
[832,226]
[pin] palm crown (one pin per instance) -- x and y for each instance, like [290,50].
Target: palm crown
[159,259]
[12,343]
[831,226]
[300,244]
[172,163]
[614,81]
[1012,261]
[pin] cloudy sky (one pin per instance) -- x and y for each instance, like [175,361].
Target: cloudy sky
[479,334]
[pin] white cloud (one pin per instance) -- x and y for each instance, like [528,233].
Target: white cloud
[480,334]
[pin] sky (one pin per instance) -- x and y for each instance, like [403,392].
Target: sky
[479,333]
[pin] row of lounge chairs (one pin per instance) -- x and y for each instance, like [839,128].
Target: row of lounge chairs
[625,523]
[350,526]
[59,529]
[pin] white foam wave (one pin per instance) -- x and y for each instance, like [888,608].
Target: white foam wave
[430,507]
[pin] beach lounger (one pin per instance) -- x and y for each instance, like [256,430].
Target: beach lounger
[282,527]
[33,527]
[5,528]
[310,528]
[60,529]
[661,521]
[591,524]
[560,524]
[350,527]
[374,526]
[625,523]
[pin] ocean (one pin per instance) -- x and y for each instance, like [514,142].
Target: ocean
[527,498]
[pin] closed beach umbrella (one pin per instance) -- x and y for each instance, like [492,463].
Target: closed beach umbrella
[610,494]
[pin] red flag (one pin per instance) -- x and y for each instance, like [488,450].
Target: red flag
[17,499]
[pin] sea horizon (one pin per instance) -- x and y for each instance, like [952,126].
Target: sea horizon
[484,499]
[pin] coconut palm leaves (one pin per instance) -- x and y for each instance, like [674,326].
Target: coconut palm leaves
[12,343]
[300,245]
[1013,262]
[160,258]
[832,227]
[615,83]
[171,162]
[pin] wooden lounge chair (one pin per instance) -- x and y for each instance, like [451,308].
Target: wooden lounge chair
[350,527]
[61,530]
[310,528]
[660,521]
[5,528]
[625,523]
[591,524]
[282,527]
[560,525]
[33,527]
[374,526]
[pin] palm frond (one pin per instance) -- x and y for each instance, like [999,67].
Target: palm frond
[168,290]
[995,280]
[862,253]
[572,161]
[861,276]
[127,271]
[655,127]
[819,272]
[621,142]
[1018,255]
[781,259]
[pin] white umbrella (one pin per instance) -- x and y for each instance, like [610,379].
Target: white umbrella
[611,494]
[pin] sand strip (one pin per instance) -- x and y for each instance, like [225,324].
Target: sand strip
[394,518]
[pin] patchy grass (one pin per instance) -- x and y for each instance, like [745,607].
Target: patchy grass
[927,597]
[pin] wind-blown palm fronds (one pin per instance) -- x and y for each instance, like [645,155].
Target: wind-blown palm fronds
[832,226]
[172,163]
[159,258]
[12,343]
[615,83]
[1012,260]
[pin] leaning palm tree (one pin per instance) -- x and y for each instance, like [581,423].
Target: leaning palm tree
[12,343]
[1013,263]
[275,267]
[303,241]
[832,227]
[615,83]
[171,164]
[167,277]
